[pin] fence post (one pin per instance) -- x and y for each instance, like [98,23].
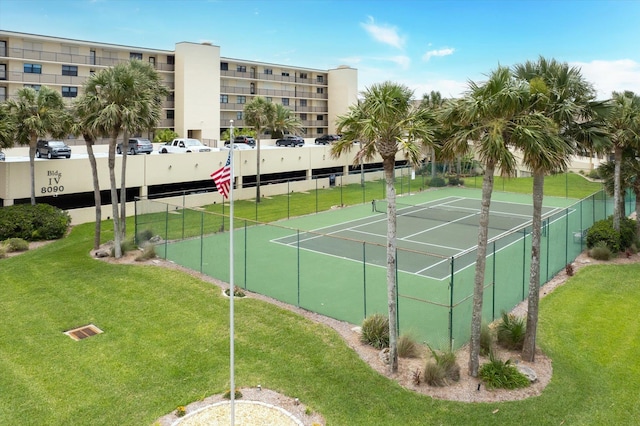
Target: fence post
[493,286]
[298,259]
[364,276]
[451,282]
[201,237]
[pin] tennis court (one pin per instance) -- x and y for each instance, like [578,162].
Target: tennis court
[442,228]
[334,262]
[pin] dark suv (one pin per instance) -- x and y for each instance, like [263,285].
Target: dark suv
[243,139]
[52,149]
[327,139]
[290,140]
[137,146]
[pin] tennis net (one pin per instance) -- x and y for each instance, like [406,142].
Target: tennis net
[460,215]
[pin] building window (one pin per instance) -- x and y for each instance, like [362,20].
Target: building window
[134,55]
[320,131]
[152,61]
[239,115]
[241,68]
[3,71]
[170,114]
[224,66]
[252,88]
[285,74]
[3,48]
[171,60]
[224,99]
[303,117]
[268,71]
[242,99]
[3,93]
[92,72]
[269,99]
[92,57]
[319,89]
[69,92]
[71,70]
[303,102]
[320,117]
[33,68]
[35,87]
[320,79]
[285,101]
[303,75]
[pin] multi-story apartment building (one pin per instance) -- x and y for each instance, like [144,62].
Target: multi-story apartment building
[207,90]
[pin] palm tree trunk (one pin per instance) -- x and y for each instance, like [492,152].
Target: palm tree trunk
[257,168]
[388,164]
[117,236]
[433,162]
[32,167]
[478,288]
[96,190]
[616,188]
[123,185]
[529,348]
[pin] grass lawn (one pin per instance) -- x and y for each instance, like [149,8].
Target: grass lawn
[166,344]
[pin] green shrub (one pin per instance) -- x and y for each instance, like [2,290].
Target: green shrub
[165,135]
[16,244]
[375,331]
[237,394]
[437,182]
[502,375]
[407,347]
[486,339]
[602,231]
[33,223]
[441,369]
[511,331]
[125,246]
[601,251]
[594,174]
[627,232]
[3,251]
[148,252]
[455,181]
[143,236]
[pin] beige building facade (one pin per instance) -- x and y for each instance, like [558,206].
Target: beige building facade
[207,90]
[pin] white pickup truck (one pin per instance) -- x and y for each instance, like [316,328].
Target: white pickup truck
[183,145]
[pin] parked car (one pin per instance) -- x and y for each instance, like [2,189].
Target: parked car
[290,140]
[183,145]
[243,139]
[52,149]
[327,139]
[2,156]
[240,146]
[137,146]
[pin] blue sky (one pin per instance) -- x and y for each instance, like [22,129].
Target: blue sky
[426,45]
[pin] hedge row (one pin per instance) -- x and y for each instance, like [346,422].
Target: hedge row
[33,223]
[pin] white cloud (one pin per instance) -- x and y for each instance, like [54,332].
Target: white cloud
[607,76]
[439,52]
[403,61]
[384,34]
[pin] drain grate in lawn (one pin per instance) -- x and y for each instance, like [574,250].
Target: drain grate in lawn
[83,332]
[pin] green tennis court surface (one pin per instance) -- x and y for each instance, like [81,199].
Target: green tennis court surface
[334,262]
[441,228]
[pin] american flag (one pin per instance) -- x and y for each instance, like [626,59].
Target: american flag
[222,177]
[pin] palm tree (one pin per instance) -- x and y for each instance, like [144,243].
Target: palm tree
[125,98]
[259,113]
[7,127]
[560,93]
[283,122]
[492,119]
[433,101]
[85,111]
[624,130]
[38,114]
[386,123]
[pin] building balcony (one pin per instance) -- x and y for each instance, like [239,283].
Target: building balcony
[72,59]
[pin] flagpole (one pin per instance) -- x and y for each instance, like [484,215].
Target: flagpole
[232,393]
